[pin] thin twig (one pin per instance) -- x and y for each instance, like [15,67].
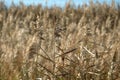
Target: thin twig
[93,55]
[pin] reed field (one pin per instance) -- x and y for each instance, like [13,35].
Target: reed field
[70,43]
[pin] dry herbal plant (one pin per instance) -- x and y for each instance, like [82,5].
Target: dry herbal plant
[41,43]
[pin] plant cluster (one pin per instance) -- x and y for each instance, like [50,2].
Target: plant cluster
[80,43]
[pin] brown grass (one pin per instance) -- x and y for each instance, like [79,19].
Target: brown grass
[60,44]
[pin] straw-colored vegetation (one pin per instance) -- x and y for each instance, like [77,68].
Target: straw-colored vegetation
[60,44]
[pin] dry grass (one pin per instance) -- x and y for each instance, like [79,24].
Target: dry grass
[60,44]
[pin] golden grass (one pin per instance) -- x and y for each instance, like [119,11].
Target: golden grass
[60,44]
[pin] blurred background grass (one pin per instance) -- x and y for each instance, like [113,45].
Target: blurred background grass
[60,3]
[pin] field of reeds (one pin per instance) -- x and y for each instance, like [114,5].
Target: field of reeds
[41,43]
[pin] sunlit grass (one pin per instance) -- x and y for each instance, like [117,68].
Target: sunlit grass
[60,44]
